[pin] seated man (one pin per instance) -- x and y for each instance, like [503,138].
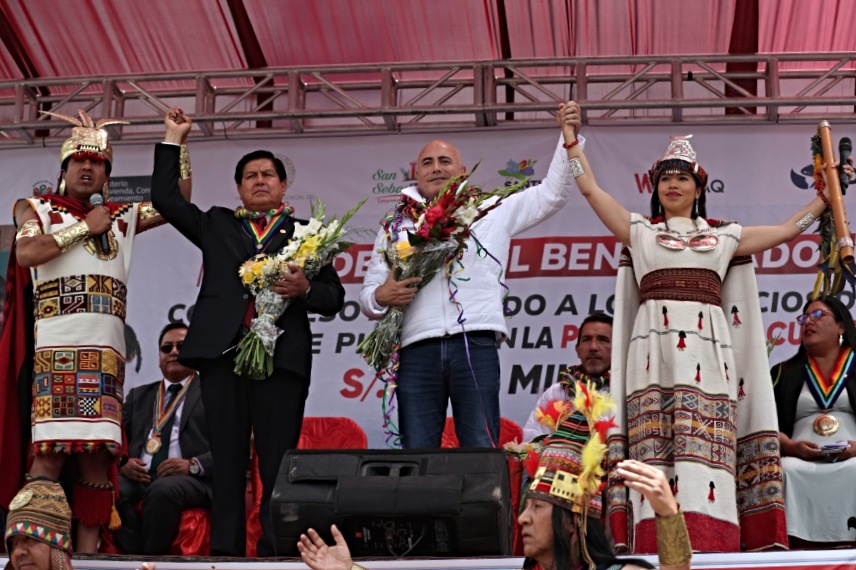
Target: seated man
[169,453]
[38,529]
[594,349]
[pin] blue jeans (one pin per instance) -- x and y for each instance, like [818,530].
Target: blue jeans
[436,370]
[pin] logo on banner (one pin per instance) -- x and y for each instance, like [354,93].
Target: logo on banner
[43,187]
[514,172]
[643,184]
[804,179]
[389,183]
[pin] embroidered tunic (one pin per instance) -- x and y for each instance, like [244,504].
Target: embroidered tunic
[694,394]
[79,304]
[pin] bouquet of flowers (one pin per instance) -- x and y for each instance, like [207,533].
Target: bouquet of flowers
[436,240]
[312,246]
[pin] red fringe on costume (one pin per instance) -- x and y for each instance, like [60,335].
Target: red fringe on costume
[92,507]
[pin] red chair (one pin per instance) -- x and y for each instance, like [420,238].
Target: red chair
[316,433]
[193,538]
[509,430]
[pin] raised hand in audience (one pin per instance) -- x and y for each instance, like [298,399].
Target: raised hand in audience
[652,483]
[318,556]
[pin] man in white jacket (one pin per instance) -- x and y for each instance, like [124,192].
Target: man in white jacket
[442,359]
[594,349]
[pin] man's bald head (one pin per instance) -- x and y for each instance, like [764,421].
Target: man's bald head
[437,163]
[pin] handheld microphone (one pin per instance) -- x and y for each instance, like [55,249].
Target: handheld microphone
[97,200]
[845,147]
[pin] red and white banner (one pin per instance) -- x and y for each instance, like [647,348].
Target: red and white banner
[557,272]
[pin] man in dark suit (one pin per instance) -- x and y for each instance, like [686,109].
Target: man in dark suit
[169,457]
[272,407]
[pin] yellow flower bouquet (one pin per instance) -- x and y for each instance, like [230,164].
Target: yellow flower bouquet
[312,246]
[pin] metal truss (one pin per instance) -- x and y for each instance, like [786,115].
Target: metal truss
[711,89]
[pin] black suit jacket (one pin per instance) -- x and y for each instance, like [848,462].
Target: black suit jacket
[223,299]
[137,414]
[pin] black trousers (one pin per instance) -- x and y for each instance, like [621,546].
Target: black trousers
[273,410]
[163,500]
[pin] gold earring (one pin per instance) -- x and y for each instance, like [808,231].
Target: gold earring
[61,189]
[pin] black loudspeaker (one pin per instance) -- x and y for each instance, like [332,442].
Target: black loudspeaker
[444,502]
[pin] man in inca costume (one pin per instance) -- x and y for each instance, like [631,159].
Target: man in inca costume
[77,246]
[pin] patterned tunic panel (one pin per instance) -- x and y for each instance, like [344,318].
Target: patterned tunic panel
[79,370]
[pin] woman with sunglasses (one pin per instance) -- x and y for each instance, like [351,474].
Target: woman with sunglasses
[815,399]
[689,363]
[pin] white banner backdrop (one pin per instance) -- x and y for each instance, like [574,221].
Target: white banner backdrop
[557,273]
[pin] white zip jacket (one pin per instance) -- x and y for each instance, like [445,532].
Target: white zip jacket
[432,314]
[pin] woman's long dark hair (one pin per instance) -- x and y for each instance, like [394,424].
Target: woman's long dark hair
[842,316]
[596,544]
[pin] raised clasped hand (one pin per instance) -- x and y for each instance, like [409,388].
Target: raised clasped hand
[177,124]
[570,119]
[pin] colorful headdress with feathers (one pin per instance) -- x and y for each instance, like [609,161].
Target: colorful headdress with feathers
[88,138]
[570,469]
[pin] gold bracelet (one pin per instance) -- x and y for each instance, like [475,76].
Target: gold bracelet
[673,541]
[147,211]
[30,228]
[184,169]
[74,234]
[355,566]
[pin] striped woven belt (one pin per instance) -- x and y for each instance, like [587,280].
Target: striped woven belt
[81,294]
[684,284]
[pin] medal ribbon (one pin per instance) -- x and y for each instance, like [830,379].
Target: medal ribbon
[827,390]
[162,418]
[262,237]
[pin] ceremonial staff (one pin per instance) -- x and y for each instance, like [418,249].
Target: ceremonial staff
[842,226]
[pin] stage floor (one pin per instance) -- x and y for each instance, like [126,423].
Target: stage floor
[815,559]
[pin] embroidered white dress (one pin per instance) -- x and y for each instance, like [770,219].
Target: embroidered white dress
[79,371]
[689,403]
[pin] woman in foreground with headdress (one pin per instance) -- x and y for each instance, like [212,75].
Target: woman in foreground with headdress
[689,363]
[560,523]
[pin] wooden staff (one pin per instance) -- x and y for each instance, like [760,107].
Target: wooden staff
[842,226]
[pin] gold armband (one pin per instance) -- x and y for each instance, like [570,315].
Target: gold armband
[147,211]
[355,566]
[673,541]
[184,169]
[30,228]
[67,237]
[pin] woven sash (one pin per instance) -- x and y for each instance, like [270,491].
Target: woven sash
[683,284]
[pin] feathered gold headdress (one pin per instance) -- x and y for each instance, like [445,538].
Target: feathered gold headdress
[87,137]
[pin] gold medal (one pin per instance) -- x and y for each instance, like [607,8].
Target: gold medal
[153,445]
[21,499]
[825,424]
